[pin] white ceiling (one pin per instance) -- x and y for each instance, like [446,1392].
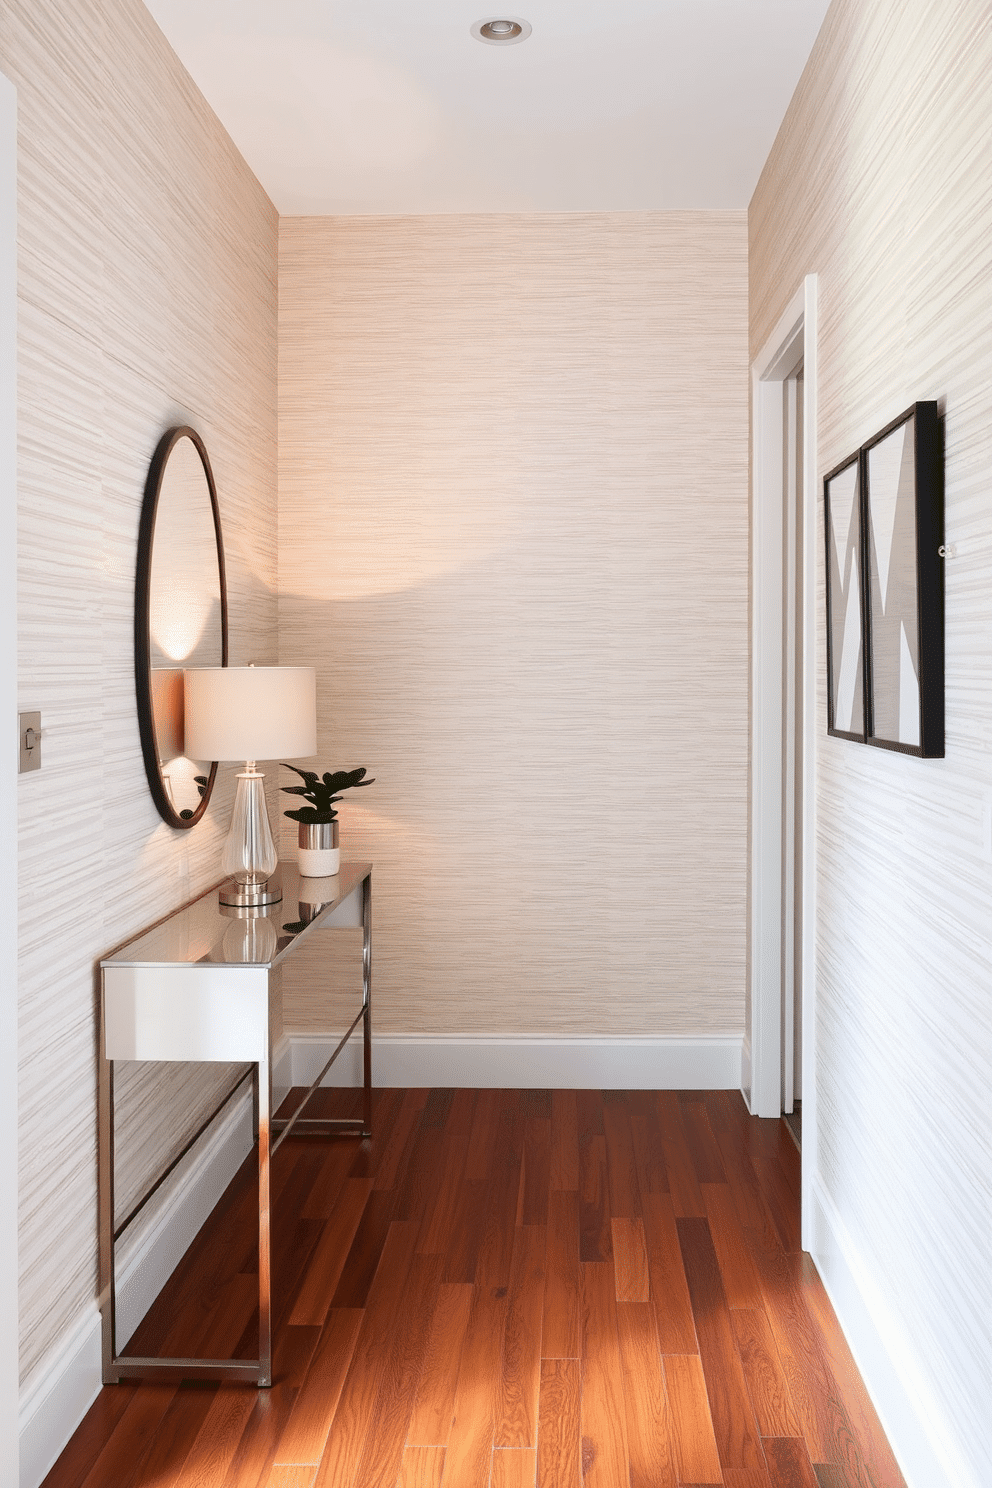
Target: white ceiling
[354,106]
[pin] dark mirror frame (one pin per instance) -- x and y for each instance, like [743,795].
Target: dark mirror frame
[142,631]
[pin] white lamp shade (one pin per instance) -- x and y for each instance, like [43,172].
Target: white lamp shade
[251,713]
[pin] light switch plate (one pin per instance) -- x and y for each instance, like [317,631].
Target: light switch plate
[30,752]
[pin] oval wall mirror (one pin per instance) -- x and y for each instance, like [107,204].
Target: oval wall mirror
[180,617]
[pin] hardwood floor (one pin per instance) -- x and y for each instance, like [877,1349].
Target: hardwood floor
[573,1289]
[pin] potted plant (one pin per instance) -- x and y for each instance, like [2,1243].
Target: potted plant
[320,853]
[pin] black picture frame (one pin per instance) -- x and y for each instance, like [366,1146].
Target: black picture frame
[883,529]
[844,524]
[902,485]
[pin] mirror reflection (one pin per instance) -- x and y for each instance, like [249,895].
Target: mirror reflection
[180,619]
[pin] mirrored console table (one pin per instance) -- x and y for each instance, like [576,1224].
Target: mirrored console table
[200,986]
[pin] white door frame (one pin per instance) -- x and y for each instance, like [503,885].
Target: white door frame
[8,785]
[794,338]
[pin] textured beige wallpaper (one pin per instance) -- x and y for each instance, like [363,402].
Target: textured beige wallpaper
[147,297]
[513,539]
[881,183]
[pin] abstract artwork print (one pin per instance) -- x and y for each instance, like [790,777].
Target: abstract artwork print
[893,589]
[845,621]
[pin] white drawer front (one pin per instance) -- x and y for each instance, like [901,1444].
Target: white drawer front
[186,1012]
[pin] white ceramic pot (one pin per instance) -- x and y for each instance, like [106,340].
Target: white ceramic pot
[320,855]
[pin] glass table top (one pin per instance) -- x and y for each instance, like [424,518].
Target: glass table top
[207,931]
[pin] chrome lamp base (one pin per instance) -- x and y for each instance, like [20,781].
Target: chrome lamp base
[252,895]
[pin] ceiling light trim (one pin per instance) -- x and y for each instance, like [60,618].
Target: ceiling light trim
[481,28]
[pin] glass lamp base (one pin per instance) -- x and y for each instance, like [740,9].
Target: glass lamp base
[249,853]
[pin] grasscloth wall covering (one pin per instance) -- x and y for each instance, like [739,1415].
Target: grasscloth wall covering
[147,297]
[513,539]
[881,183]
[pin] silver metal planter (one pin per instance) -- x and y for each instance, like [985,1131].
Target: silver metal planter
[320,853]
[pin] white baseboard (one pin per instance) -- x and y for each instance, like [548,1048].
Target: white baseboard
[912,1420]
[57,1396]
[708,1062]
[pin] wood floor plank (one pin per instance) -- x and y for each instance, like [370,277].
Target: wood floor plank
[703,1150]
[683,1184]
[389,1155]
[595,1235]
[365,1252]
[649,1426]
[461,1114]
[322,1198]
[810,1385]
[630,1260]
[697,1459]
[605,1459]
[382,1455]
[780,1199]
[327,1260]
[292,1352]
[537,1170]
[217,1440]
[252,1462]
[514,1467]
[737,1270]
[291,1477]
[559,1453]
[482,1137]
[866,1442]
[417,1184]
[730,1405]
[766,1383]
[434,1401]
[423,1467]
[668,1289]
[506,1159]
[477,1394]
[739,1477]
[624,1188]
[95,1433]
[652,1175]
[437,1227]
[562,1277]
[354,1414]
[305,1433]
[745,1188]
[467,1228]
[133,1433]
[788,1463]
[564,1141]
[520,1376]
[828,1475]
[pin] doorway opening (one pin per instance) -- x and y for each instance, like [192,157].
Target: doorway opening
[778,1061]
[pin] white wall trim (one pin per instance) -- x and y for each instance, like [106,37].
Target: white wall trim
[57,1396]
[911,1417]
[706,1062]
[794,335]
[8,784]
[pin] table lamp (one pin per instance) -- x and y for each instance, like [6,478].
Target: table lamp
[250,713]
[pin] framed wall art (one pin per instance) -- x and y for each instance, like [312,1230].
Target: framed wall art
[883,511]
[845,601]
[901,474]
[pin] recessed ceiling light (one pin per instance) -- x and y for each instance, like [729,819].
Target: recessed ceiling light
[501,30]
